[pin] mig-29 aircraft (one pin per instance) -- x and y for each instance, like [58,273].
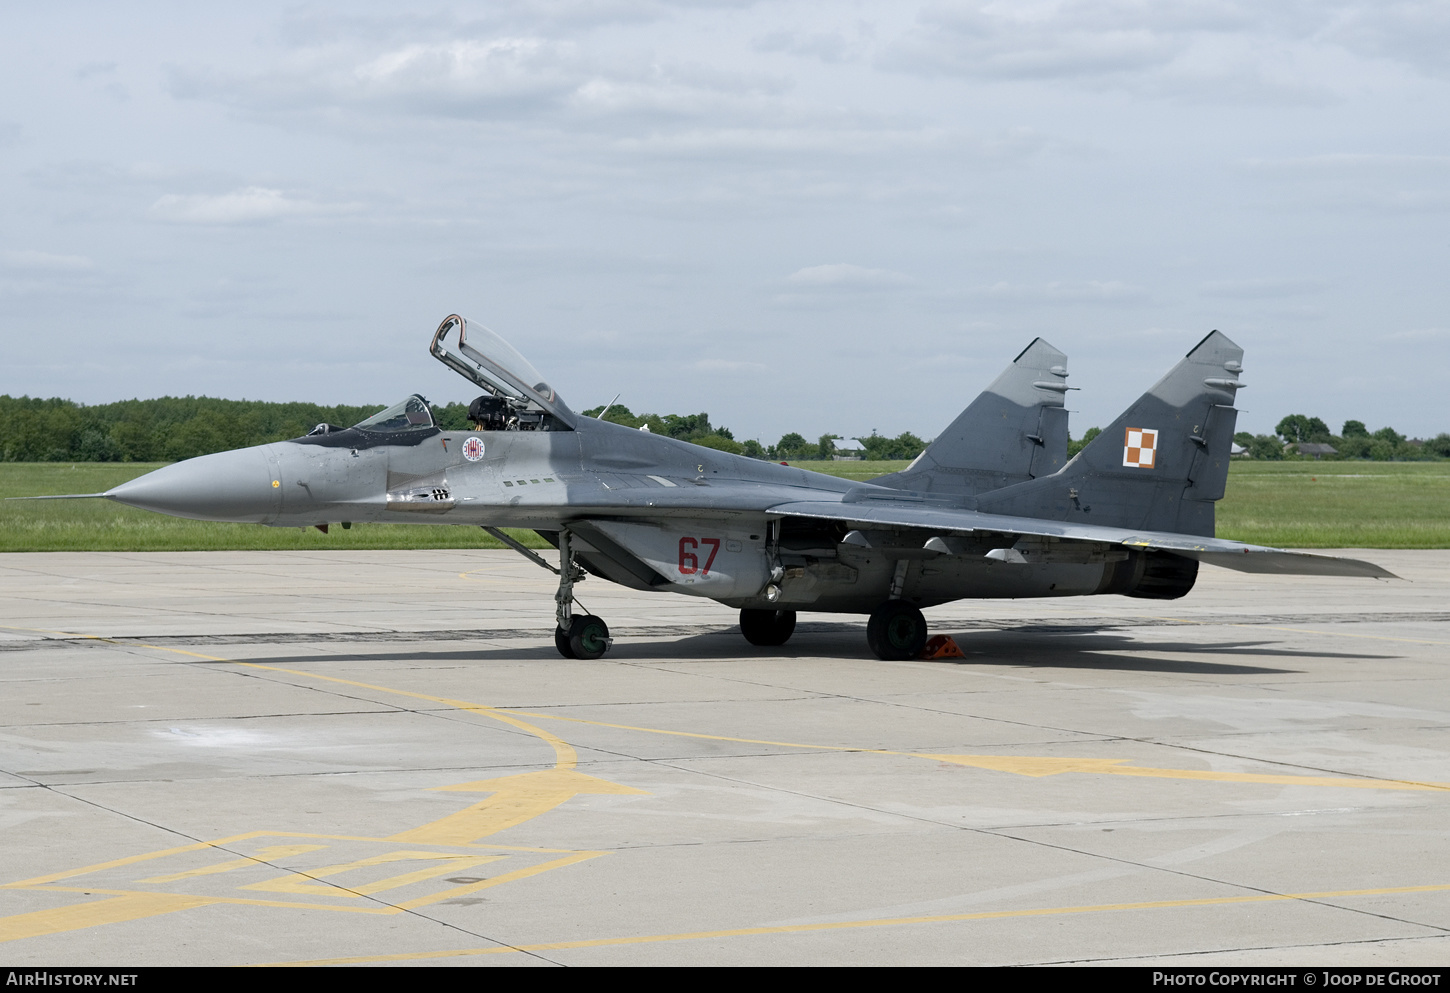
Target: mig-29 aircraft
[992,508]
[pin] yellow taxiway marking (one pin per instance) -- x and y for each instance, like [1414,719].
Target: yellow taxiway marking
[1037,766]
[986,915]
[307,884]
[512,800]
[269,854]
[515,799]
[129,907]
[1045,766]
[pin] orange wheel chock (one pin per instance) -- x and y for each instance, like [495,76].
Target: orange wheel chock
[941,647]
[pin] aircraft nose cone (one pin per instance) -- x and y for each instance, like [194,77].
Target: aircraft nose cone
[228,486]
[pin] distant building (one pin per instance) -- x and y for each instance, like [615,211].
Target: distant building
[1237,451]
[1314,448]
[848,450]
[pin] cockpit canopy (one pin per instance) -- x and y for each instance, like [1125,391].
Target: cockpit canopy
[483,357]
[412,414]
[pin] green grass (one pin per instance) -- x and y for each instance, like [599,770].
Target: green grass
[854,470]
[103,526]
[1288,504]
[1338,504]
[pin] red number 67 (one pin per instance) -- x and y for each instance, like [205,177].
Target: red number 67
[690,562]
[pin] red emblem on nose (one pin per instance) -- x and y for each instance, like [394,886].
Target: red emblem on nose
[473,449]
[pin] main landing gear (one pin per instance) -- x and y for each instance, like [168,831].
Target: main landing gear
[896,631]
[767,627]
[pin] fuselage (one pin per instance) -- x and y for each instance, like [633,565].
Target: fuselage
[652,512]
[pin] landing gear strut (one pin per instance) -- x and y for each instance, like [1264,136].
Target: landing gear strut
[584,636]
[896,631]
[767,627]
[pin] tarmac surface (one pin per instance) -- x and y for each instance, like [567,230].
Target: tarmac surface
[378,757]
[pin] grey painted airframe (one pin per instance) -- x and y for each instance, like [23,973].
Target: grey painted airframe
[992,508]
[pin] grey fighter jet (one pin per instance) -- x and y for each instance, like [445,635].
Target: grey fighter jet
[993,508]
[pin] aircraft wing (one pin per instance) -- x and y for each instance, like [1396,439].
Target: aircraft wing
[1215,551]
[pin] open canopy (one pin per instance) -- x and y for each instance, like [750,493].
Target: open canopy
[483,357]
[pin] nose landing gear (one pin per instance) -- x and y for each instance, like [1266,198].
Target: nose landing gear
[582,637]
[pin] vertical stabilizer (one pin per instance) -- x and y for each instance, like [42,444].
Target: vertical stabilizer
[1159,466]
[1015,431]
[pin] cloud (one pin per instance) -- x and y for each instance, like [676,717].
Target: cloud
[32,261]
[1033,41]
[249,205]
[844,276]
[521,78]
[728,365]
[1418,335]
[1231,51]
[1259,289]
[828,46]
[1072,291]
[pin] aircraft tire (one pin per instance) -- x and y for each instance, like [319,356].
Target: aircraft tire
[896,631]
[588,637]
[561,642]
[767,628]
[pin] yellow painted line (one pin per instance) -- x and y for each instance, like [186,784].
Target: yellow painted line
[1046,766]
[1028,765]
[515,799]
[308,883]
[80,915]
[1015,764]
[565,756]
[987,915]
[143,911]
[263,857]
[507,877]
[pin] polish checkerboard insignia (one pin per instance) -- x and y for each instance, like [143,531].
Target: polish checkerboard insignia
[1140,447]
[473,449]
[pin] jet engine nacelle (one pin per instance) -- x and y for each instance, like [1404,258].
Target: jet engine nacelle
[1151,575]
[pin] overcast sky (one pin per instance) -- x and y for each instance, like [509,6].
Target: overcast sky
[796,216]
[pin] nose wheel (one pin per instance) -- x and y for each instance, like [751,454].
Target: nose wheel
[586,638]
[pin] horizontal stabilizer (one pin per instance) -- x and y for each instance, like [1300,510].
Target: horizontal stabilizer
[1278,561]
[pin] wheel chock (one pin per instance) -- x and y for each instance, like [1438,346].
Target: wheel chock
[941,647]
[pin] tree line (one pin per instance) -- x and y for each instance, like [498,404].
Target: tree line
[1354,441]
[173,428]
[168,429]
[696,428]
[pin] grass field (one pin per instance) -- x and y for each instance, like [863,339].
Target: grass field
[1287,504]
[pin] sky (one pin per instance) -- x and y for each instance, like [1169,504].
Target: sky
[815,217]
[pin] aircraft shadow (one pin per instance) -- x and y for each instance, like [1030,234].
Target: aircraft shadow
[1076,649]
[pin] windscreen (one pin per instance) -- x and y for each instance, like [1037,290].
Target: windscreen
[411,414]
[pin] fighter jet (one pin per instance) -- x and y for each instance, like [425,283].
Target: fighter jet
[992,508]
